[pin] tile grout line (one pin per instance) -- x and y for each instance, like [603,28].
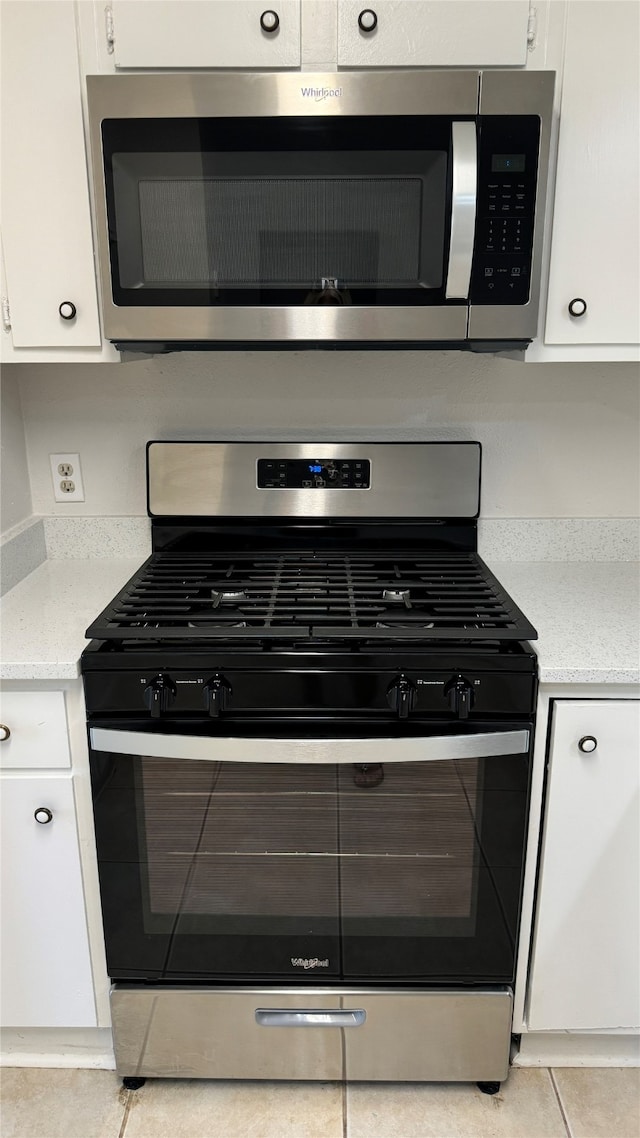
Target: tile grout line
[123,1124]
[556,1090]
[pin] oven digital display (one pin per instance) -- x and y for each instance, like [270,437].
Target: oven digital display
[319,474]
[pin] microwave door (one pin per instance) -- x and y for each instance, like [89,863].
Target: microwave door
[464,152]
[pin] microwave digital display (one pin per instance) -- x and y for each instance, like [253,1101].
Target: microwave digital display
[507,163]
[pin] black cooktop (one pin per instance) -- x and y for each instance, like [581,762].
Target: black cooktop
[309,595]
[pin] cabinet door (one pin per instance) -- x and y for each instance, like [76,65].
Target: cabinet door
[35,734]
[587,936]
[596,231]
[205,33]
[47,239]
[45,969]
[433,33]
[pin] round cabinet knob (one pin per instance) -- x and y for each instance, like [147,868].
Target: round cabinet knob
[42,815]
[367,20]
[269,21]
[577,306]
[4,732]
[68,310]
[587,744]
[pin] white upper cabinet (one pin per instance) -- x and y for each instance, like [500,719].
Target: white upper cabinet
[48,248]
[205,33]
[432,33]
[584,972]
[595,246]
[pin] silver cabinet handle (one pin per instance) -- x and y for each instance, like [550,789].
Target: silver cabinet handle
[43,815]
[463,208]
[4,732]
[287,1017]
[226,749]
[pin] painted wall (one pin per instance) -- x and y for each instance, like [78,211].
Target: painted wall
[15,499]
[559,440]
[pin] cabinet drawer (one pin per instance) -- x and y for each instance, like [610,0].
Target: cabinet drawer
[37,727]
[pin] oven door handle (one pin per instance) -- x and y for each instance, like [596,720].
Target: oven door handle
[230,749]
[464,148]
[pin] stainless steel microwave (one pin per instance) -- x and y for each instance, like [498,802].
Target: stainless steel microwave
[355,209]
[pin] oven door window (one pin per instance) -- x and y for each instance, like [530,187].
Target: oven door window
[216,868]
[432,868]
[293,211]
[386,870]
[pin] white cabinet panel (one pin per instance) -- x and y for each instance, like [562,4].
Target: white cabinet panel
[205,33]
[595,250]
[587,939]
[37,728]
[48,248]
[434,33]
[45,969]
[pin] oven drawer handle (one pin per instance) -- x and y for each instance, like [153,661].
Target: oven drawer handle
[286,1017]
[219,749]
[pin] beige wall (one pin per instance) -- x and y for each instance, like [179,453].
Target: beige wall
[15,500]
[559,440]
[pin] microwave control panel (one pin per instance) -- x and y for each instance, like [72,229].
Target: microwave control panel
[314,474]
[507,177]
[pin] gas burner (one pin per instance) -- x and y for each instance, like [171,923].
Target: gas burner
[397,597]
[207,623]
[414,624]
[227,596]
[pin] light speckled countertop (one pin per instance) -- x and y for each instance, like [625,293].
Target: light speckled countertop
[43,619]
[587,615]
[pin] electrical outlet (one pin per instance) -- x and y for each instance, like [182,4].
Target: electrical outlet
[67,477]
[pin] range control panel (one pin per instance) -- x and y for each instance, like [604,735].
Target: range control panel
[507,176]
[314,474]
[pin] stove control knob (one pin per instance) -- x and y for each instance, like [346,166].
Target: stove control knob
[401,696]
[217,696]
[459,692]
[159,695]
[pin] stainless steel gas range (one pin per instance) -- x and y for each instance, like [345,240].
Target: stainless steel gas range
[311,718]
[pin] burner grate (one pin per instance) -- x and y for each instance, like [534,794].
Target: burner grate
[293,595]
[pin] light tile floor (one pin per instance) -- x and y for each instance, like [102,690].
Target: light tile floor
[533,1103]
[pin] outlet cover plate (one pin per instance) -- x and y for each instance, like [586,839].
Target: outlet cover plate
[66,472]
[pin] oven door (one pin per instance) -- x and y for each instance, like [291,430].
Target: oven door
[373,857]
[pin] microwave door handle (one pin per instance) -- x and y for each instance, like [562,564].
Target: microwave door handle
[463,209]
[304,752]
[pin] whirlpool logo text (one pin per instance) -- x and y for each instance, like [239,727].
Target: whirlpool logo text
[321,93]
[300,962]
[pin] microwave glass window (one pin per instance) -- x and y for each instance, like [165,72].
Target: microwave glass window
[199,216]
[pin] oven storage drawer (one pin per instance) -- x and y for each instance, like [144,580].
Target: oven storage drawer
[318,1033]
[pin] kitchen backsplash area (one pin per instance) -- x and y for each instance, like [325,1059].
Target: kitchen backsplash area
[560,441]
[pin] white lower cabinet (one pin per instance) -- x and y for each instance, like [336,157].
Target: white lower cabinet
[46,977]
[584,971]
